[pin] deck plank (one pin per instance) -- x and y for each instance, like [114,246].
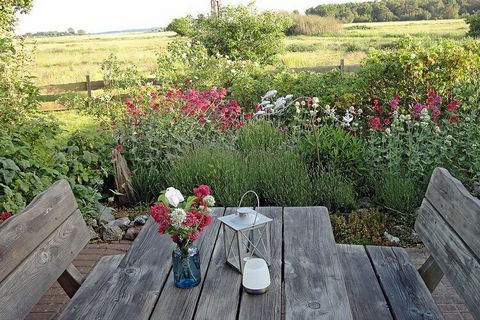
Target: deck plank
[314,283]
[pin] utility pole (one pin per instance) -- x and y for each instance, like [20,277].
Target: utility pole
[215,7]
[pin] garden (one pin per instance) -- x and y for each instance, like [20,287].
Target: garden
[223,112]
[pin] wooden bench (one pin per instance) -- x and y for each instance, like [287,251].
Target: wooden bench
[382,283]
[37,247]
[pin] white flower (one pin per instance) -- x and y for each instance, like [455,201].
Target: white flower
[269,95]
[303,103]
[413,56]
[388,131]
[174,196]
[347,118]
[177,217]
[359,111]
[297,104]
[209,200]
[315,100]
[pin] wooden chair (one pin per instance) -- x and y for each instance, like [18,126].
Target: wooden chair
[382,283]
[37,247]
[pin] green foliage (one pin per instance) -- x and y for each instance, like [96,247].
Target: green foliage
[281,178]
[259,136]
[365,227]
[18,95]
[118,74]
[242,33]
[312,25]
[334,191]
[415,67]
[182,26]
[147,183]
[221,169]
[332,148]
[301,47]
[8,9]
[394,10]
[474,22]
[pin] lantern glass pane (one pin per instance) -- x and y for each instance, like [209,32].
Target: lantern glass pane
[231,246]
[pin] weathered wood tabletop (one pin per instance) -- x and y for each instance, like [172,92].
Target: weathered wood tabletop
[306,277]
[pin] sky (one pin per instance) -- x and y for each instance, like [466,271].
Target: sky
[108,15]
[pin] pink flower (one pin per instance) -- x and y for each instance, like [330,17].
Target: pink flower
[191,220]
[193,235]
[161,214]
[119,148]
[176,239]
[452,106]
[205,221]
[202,191]
[375,123]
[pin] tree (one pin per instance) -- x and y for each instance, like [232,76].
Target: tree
[242,33]
[474,22]
[181,26]
[71,31]
[8,9]
[81,32]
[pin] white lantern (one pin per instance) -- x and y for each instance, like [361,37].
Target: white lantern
[246,235]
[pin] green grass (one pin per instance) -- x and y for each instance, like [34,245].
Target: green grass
[71,121]
[68,59]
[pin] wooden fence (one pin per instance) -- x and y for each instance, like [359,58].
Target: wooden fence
[90,86]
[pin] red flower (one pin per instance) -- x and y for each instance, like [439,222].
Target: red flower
[375,123]
[190,220]
[453,118]
[248,116]
[205,221]
[452,106]
[161,214]
[119,148]
[202,191]
[193,235]
[176,239]
[5,215]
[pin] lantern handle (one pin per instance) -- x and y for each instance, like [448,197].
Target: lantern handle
[258,202]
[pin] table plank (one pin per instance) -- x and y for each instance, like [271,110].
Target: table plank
[221,286]
[314,283]
[407,294]
[178,303]
[133,289]
[364,292]
[268,305]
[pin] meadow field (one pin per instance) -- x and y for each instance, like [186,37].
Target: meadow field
[68,59]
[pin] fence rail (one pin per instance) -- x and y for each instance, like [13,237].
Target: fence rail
[89,86]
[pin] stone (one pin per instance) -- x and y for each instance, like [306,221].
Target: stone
[122,223]
[112,233]
[106,214]
[365,202]
[93,234]
[391,238]
[132,233]
[94,223]
[140,220]
[415,238]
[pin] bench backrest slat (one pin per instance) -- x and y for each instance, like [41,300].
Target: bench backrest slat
[448,223]
[36,246]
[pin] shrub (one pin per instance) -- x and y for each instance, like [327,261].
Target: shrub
[147,183]
[282,178]
[334,191]
[259,136]
[302,47]
[365,227]
[182,26]
[312,25]
[474,22]
[118,74]
[242,33]
[223,170]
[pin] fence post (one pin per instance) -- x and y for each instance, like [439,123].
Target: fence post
[342,65]
[88,86]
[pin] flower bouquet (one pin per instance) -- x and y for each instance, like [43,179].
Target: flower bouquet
[183,221]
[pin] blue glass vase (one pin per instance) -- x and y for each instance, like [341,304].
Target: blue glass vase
[186,267]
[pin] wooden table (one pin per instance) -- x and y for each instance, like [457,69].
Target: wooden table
[306,277]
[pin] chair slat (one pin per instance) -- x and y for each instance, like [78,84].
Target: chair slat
[22,233]
[457,261]
[457,206]
[33,276]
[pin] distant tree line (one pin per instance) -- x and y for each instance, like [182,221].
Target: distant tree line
[397,10]
[69,32]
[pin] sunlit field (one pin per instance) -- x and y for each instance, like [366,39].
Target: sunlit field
[68,59]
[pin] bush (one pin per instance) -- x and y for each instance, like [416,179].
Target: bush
[474,22]
[363,228]
[312,25]
[334,191]
[301,47]
[242,33]
[223,170]
[282,178]
[118,74]
[259,136]
[182,26]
